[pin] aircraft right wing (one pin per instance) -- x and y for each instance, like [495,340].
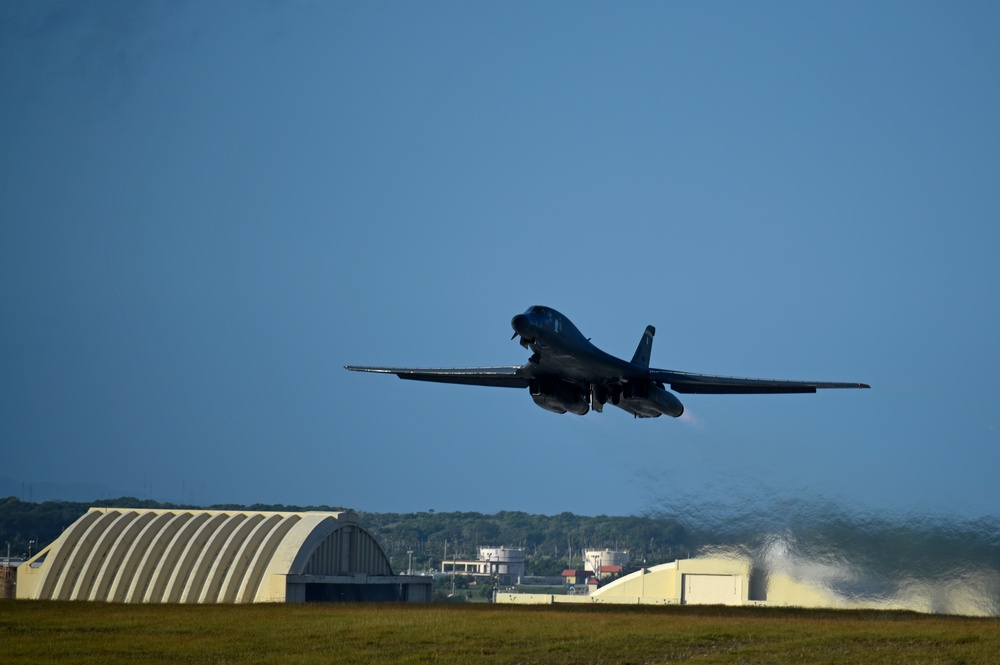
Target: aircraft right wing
[503,377]
[708,384]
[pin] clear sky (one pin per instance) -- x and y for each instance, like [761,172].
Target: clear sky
[208,208]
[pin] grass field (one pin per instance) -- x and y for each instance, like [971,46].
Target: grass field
[48,632]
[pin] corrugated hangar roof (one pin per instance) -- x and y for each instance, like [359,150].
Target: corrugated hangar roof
[208,556]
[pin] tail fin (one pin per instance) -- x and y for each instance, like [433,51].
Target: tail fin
[645,347]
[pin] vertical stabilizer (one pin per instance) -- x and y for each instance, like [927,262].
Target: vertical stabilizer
[645,347]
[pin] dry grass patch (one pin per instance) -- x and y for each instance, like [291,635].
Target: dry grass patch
[34,632]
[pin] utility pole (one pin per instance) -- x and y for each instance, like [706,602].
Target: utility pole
[494,578]
[595,564]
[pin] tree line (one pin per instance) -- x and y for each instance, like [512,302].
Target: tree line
[551,543]
[880,550]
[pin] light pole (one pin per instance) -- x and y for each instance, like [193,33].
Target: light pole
[409,568]
[494,577]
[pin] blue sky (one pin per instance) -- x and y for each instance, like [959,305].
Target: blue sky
[207,209]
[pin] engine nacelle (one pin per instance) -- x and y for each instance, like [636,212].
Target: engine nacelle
[559,397]
[648,400]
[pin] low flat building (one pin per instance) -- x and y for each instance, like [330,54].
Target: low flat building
[572,577]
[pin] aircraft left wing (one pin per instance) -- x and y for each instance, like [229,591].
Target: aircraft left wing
[503,377]
[708,384]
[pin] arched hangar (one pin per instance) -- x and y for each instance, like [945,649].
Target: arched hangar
[210,556]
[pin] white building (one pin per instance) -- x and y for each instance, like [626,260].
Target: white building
[605,562]
[505,562]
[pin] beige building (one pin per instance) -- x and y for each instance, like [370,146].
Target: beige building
[733,580]
[714,581]
[208,556]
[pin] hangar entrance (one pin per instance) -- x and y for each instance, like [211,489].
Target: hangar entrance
[349,593]
[353,593]
[711,590]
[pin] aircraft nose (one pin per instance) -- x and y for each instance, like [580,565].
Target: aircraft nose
[518,323]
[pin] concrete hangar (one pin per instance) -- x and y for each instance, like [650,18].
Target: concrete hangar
[733,579]
[711,580]
[209,556]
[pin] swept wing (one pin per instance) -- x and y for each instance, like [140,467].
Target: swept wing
[503,377]
[709,384]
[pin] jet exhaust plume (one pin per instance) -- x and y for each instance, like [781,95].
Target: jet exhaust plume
[688,418]
[934,564]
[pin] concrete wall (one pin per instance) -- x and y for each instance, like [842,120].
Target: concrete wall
[8,579]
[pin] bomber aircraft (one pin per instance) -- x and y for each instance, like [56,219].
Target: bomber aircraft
[568,374]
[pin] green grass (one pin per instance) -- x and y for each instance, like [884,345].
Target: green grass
[48,632]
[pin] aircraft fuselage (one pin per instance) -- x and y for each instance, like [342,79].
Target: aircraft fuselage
[569,374]
[561,350]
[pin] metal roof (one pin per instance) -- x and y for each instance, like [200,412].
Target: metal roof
[202,556]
